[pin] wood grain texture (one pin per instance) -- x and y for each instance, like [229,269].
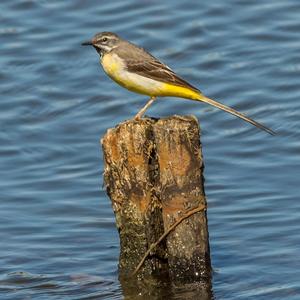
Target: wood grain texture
[153,175]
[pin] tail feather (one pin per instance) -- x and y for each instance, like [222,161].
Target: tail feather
[235,113]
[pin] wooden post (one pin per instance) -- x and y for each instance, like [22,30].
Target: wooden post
[153,175]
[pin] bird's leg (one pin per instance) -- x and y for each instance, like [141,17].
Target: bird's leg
[143,110]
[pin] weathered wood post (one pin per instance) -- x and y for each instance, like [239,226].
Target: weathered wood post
[153,175]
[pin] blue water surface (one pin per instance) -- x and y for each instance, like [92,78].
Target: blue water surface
[57,229]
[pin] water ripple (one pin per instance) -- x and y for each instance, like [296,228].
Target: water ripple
[55,218]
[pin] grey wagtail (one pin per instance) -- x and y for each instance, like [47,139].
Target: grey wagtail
[137,70]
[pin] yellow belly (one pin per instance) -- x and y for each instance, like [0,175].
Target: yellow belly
[172,90]
[115,69]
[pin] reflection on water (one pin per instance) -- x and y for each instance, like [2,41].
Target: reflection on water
[150,290]
[57,227]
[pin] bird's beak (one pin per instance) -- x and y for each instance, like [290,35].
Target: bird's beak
[87,43]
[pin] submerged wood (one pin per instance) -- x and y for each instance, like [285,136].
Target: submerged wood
[154,176]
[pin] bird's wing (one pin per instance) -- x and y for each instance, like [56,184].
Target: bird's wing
[144,64]
[156,70]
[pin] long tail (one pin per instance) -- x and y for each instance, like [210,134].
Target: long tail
[235,113]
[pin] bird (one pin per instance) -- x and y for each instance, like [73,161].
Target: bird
[137,70]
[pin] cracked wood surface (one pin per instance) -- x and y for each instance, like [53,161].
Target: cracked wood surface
[153,175]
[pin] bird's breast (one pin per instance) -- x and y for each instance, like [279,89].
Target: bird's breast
[115,68]
[112,64]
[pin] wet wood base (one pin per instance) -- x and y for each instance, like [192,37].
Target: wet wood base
[154,176]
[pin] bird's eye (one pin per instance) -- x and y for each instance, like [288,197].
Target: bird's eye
[104,40]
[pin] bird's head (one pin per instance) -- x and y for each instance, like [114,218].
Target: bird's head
[104,42]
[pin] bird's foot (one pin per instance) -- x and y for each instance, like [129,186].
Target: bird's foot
[140,114]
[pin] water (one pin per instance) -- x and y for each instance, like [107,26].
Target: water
[58,238]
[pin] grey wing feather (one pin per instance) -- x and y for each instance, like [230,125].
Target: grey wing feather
[143,63]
